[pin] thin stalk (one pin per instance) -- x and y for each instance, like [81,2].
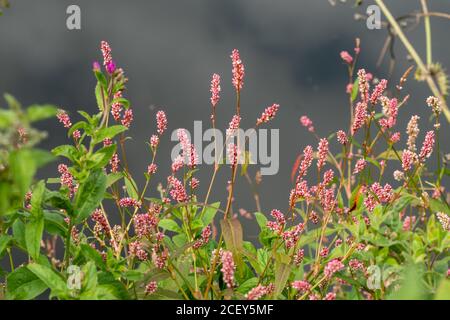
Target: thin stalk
[431,83]
[427,32]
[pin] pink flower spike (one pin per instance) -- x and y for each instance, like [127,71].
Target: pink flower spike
[228,268]
[106,51]
[342,137]
[256,293]
[346,57]
[161,122]
[427,147]
[152,168]
[238,70]
[233,154]
[234,125]
[360,116]
[127,118]
[332,267]
[268,114]
[378,91]
[215,89]
[322,151]
[363,83]
[154,141]
[307,123]
[360,165]
[64,118]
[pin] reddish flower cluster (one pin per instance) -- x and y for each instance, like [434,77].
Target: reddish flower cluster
[215,89]
[257,292]
[360,116]
[307,123]
[390,110]
[151,287]
[177,190]
[408,158]
[291,237]
[298,256]
[359,166]
[161,122]
[154,141]
[114,162]
[301,285]
[136,249]
[188,149]
[233,154]
[378,91]
[144,224]
[67,179]
[346,57]
[64,118]
[233,126]
[322,152]
[228,268]
[378,194]
[279,223]
[127,118]
[204,239]
[444,220]
[129,202]
[342,137]
[116,108]
[427,147]
[268,114]
[332,267]
[238,70]
[101,223]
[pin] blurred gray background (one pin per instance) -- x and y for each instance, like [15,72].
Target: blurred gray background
[169,49]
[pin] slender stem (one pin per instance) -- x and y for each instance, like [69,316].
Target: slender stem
[427,32]
[431,83]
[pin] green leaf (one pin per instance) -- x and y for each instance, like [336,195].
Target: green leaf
[170,225]
[60,201]
[443,291]
[23,169]
[77,126]
[33,236]
[210,213]
[355,90]
[22,284]
[41,112]
[55,224]
[411,287]
[101,158]
[89,283]
[67,151]
[12,102]
[7,118]
[233,236]
[90,195]
[247,285]
[99,96]
[37,199]
[113,178]
[92,255]
[19,233]
[131,186]
[282,272]
[4,242]
[53,281]
[108,133]
[261,220]
[438,206]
